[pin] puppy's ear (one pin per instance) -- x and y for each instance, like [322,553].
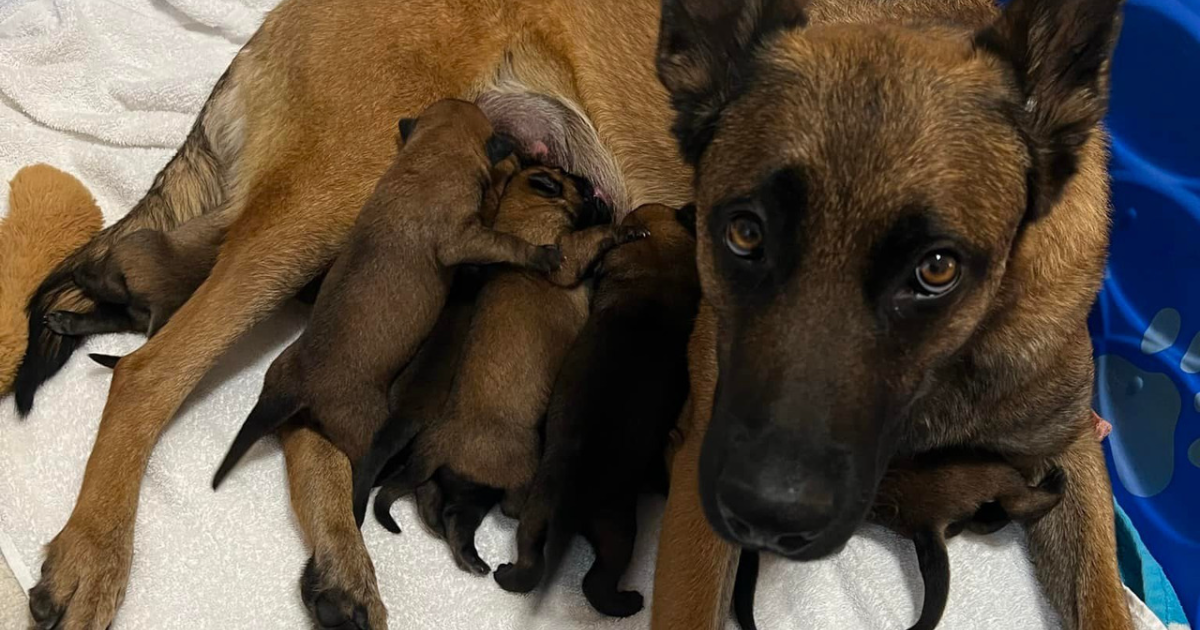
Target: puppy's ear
[407,125]
[499,147]
[705,52]
[1061,51]
[687,217]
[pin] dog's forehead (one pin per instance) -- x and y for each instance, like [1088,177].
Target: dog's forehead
[881,122]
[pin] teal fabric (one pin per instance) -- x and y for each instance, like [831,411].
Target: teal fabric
[1143,575]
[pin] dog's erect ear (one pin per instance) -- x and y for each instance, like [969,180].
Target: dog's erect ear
[499,147]
[407,125]
[705,50]
[687,217]
[1061,51]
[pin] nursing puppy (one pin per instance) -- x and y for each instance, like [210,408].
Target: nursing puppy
[930,498]
[615,400]
[145,277]
[520,334]
[422,220]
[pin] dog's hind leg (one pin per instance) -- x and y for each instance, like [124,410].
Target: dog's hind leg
[338,586]
[1074,547]
[262,264]
[935,572]
[611,531]
[195,181]
[430,501]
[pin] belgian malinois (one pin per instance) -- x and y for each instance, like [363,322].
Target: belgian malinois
[902,223]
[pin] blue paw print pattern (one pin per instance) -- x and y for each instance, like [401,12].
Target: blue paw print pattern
[1146,324]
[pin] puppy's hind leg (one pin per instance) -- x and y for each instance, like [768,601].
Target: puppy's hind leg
[430,501]
[466,505]
[104,319]
[612,533]
[404,482]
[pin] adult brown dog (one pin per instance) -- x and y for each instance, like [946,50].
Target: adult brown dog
[836,148]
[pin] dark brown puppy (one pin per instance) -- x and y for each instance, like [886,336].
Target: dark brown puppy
[387,289]
[616,399]
[145,277]
[929,498]
[522,330]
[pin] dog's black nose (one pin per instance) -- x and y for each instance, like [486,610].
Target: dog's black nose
[782,515]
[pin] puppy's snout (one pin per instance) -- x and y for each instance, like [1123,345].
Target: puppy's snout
[783,513]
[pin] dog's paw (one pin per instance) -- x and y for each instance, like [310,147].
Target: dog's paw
[548,258]
[341,604]
[629,234]
[515,579]
[83,581]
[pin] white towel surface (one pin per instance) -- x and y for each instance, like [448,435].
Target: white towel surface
[107,89]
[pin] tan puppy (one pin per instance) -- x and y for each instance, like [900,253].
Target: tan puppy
[954,119]
[423,220]
[144,278]
[520,333]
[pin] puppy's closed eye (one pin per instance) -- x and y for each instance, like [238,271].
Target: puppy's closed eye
[545,185]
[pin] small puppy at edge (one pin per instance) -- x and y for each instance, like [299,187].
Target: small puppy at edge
[384,293]
[145,278]
[614,403]
[520,333]
[932,497]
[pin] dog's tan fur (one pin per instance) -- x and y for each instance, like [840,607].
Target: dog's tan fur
[304,116]
[523,324]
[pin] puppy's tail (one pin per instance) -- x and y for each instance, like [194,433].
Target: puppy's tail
[271,411]
[744,585]
[107,360]
[935,571]
[403,483]
[389,440]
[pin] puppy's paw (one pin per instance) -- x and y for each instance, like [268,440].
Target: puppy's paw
[617,603]
[629,234]
[346,606]
[467,559]
[548,258]
[60,322]
[517,579]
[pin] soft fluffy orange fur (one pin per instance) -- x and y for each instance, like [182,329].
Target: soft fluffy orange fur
[50,215]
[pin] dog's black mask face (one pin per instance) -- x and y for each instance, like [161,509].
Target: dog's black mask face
[859,194]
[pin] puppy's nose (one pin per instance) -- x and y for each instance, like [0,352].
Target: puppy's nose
[783,515]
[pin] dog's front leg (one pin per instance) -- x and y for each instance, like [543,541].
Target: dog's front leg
[693,579]
[1074,546]
[338,586]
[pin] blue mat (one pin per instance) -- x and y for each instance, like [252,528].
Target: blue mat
[1146,325]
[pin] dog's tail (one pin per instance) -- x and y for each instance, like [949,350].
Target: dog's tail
[744,585]
[191,184]
[419,468]
[392,438]
[935,571]
[269,413]
[107,360]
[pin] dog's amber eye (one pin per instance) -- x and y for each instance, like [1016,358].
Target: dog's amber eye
[937,273]
[744,235]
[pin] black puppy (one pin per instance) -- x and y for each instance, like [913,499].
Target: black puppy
[614,403]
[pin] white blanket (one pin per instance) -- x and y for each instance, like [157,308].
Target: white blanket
[107,89]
